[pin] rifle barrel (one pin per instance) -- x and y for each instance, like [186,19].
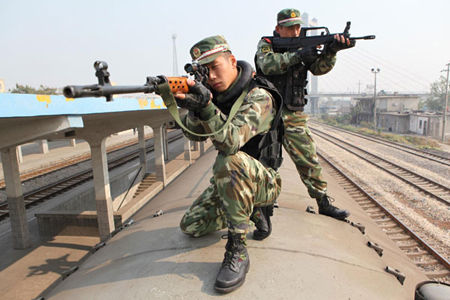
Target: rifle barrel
[78,91]
[366,37]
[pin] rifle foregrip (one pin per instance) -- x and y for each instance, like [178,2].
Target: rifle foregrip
[178,84]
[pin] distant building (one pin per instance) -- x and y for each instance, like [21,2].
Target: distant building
[400,114]
[429,124]
[362,110]
[397,103]
[363,107]
[335,107]
[394,122]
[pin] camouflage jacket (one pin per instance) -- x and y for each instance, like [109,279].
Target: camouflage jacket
[254,117]
[271,63]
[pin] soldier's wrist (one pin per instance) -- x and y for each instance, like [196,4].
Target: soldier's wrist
[207,112]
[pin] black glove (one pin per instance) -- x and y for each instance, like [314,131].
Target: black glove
[308,55]
[197,98]
[336,46]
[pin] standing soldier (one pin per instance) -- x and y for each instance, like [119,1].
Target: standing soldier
[288,72]
[244,173]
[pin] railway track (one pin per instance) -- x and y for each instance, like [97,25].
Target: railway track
[432,188]
[434,265]
[51,190]
[402,147]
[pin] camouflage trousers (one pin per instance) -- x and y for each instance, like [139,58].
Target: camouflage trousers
[301,148]
[239,183]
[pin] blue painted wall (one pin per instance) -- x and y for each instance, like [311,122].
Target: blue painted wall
[25,105]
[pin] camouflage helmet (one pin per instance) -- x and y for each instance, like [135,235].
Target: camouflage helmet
[288,17]
[208,49]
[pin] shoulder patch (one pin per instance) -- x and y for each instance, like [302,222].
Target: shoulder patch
[265,49]
[268,40]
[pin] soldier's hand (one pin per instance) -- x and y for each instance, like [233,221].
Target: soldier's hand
[308,55]
[197,98]
[340,43]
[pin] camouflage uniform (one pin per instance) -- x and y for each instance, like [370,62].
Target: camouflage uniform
[240,182]
[298,141]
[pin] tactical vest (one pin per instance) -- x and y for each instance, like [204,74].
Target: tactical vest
[265,147]
[291,85]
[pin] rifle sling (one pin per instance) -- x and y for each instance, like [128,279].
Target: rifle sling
[171,104]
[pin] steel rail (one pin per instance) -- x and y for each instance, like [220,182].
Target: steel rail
[426,180]
[402,225]
[408,149]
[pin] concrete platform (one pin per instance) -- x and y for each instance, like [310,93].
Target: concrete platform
[25,274]
[308,256]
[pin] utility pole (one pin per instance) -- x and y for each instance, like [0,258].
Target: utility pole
[446,104]
[175,62]
[375,71]
[359,87]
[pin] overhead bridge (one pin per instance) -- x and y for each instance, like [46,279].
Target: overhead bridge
[354,95]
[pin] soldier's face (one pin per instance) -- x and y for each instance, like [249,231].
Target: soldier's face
[288,31]
[222,72]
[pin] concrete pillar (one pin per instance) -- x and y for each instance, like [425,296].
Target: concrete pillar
[142,151]
[73,142]
[16,204]
[43,144]
[187,150]
[160,166]
[103,198]
[165,142]
[19,154]
[202,148]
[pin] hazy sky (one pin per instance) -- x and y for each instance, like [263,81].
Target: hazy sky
[55,43]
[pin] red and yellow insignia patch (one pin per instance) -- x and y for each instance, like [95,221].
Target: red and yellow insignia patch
[196,52]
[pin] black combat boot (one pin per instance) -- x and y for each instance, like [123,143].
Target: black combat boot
[325,208]
[235,265]
[261,218]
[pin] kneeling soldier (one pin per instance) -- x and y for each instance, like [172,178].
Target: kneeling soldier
[249,151]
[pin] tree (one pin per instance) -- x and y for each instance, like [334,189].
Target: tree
[436,101]
[26,89]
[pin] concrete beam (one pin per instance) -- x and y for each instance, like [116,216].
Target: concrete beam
[16,204]
[102,190]
[20,131]
[160,166]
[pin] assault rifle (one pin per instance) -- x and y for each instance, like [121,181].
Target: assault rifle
[303,41]
[105,89]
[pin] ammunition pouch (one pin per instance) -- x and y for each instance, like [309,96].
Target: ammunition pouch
[292,86]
